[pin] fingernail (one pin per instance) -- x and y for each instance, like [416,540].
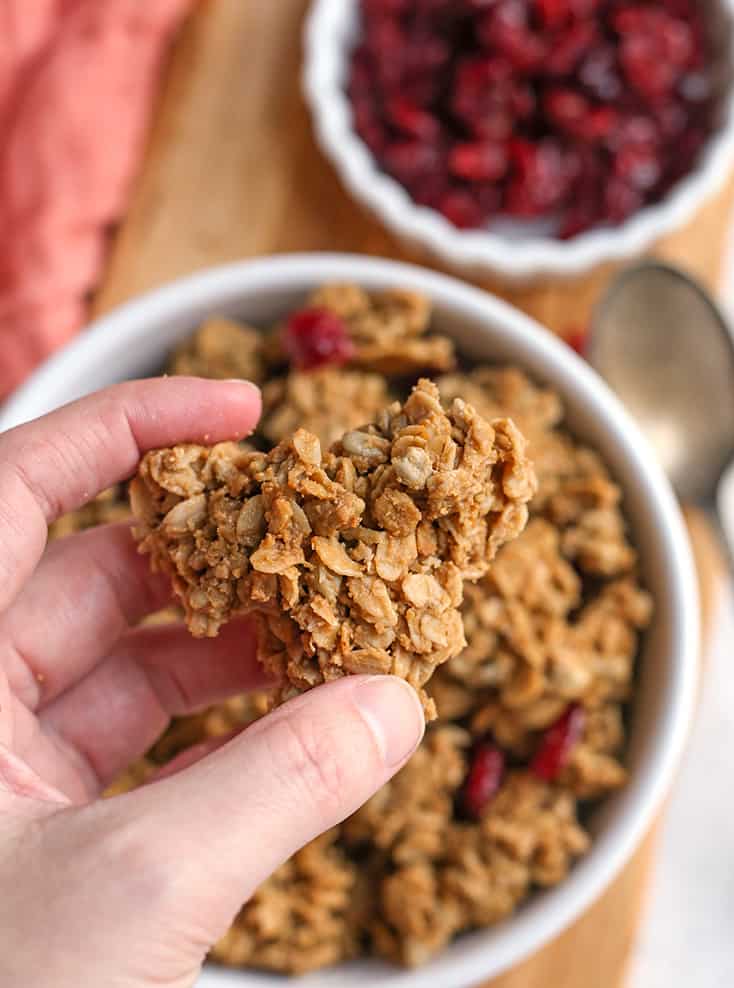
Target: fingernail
[247,385]
[394,714]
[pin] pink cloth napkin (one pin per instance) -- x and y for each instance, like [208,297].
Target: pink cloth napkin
[77,82]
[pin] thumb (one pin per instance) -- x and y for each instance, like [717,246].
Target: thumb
[226,822]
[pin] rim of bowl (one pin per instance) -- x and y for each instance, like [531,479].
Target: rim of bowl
[481,250]
[542,919]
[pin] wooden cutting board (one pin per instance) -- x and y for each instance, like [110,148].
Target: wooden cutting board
[232,171]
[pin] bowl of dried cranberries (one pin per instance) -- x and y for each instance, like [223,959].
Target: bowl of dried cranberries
[525,137]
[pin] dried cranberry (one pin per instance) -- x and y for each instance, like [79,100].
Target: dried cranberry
[462,209]
[599,75]
[407,160]
[315,337]
[568,49]
[391,7]
[641,60]
[598,124]
[429,189]
[579,218]
[576,339]
[621,199]
[479,161]
[634,129]
[637,165]
[368,125]
[484,779]
[540,178]
[412,120]
[566,108]
[553,12]
[557,743]
[505,29]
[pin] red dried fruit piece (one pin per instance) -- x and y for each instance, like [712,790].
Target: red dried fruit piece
[368,125]
[599,124]
[540,177]
[480,161]
[484,779]
[571,112]
[316,337]
[576,339]
[638,165]
[413,120]
[409,160]
[568,49]
[505,29]
[578,219]
[672,35]
[634,129]
[566,108]
[376,8]
[557,743]
[385,41]
[553,12]
[644,65]
[599,75]
[429,189]
[620,200]
[462,209]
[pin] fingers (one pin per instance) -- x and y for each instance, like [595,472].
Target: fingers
[60,461]
[225,823]
[115,713]
[88,589]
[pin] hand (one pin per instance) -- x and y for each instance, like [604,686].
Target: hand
[133,890]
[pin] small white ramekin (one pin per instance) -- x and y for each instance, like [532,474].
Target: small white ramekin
[328,38]
[134,341]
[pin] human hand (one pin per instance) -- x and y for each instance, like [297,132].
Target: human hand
[132,891]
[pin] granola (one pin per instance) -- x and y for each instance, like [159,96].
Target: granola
[353,561]
[389,329]
[308,401]
[553,626]
[222,348]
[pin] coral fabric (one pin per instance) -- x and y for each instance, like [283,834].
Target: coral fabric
[77,82]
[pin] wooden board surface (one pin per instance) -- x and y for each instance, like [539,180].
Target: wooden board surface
[232,171]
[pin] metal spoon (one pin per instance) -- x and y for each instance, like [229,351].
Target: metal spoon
[665,347]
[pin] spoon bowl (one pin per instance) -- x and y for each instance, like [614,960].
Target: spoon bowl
[662,343]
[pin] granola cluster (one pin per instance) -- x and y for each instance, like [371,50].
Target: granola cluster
[354,560]
[552,628]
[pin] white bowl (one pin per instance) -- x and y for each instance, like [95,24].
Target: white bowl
[134,341]
[520,255]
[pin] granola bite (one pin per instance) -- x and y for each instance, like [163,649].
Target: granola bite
[221,348]
[497,391]
[326,402]
[388,329]
[354,561]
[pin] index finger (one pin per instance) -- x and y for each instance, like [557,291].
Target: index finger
[60,461]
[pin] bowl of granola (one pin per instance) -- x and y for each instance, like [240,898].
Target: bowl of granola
[561,705]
